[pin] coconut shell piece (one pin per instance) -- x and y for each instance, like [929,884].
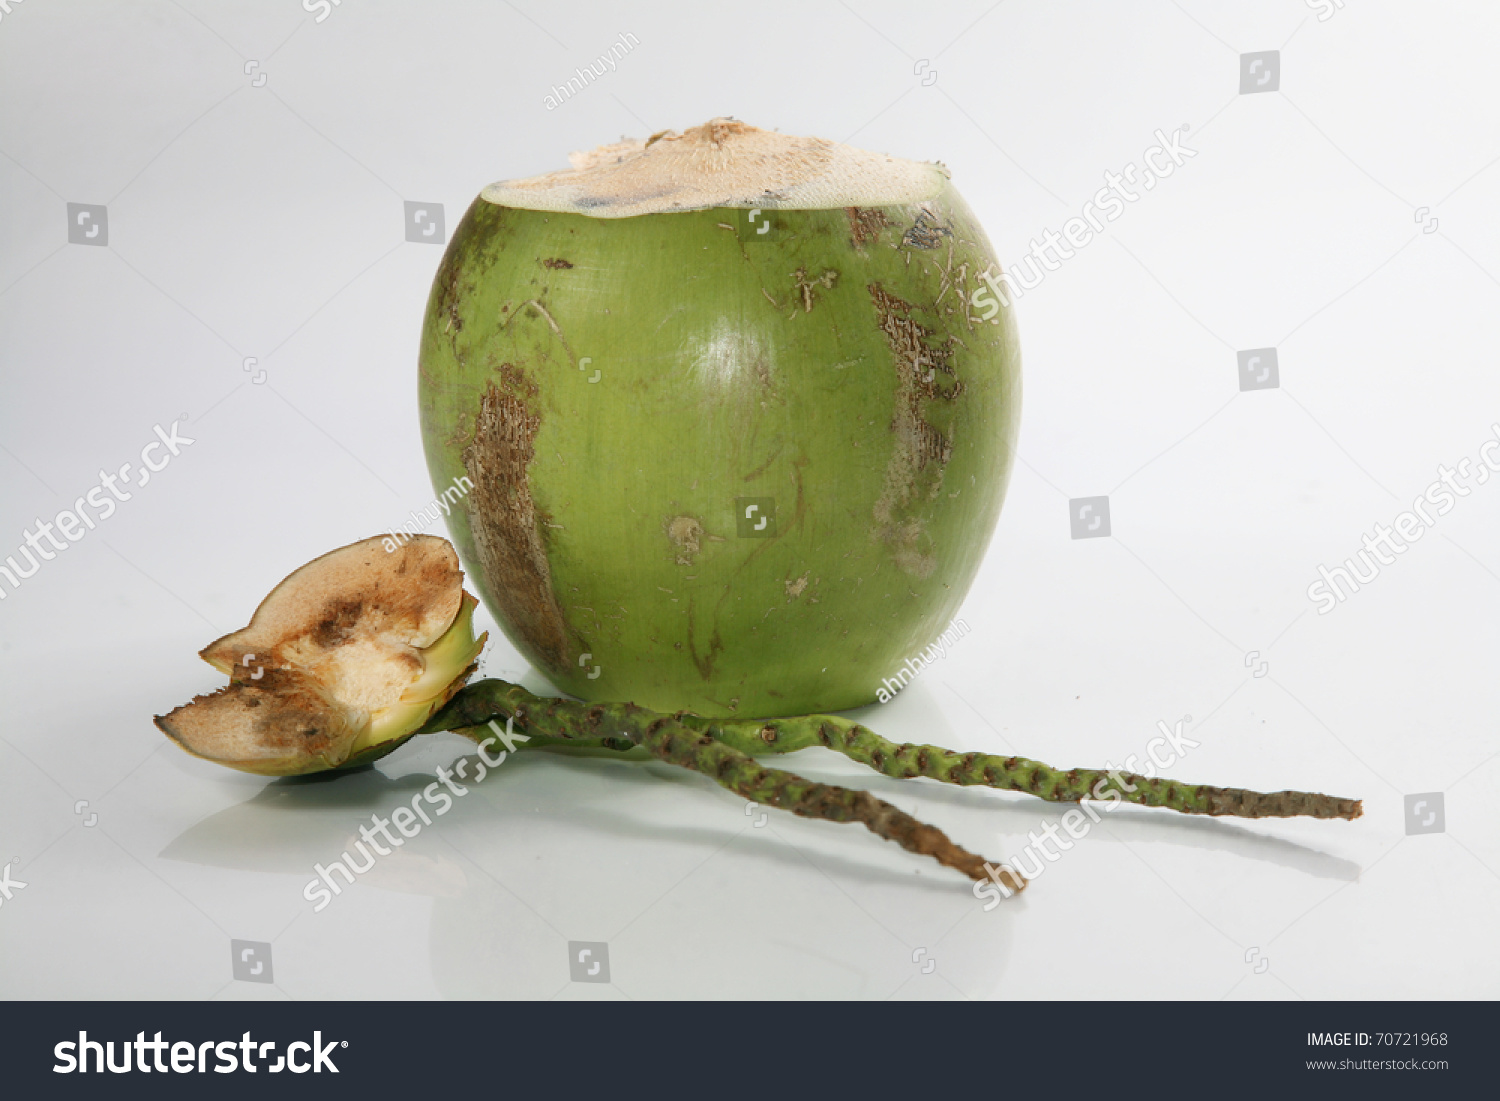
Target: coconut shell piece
[340,663]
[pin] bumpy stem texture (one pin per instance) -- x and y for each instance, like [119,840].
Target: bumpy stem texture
[906,759]
[481,701]
[621,726]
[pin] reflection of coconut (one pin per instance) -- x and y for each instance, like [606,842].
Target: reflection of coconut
[737,443]
[502,911]
[289,828]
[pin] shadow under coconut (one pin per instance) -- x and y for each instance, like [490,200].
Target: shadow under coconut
[250,838]
[652,775]
[292,824]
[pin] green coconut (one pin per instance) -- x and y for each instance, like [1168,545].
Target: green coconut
[731,436]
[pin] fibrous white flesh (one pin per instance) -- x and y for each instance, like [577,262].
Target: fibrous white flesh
[722,163]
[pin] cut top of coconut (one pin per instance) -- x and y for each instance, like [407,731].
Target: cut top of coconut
[723,163]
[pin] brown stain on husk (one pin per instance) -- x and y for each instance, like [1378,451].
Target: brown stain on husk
[505,525]
[921,453]
[686,534]
[927,232]
[865,224]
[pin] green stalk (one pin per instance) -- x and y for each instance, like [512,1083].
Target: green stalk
[905,760]
[479,702]
[622,726]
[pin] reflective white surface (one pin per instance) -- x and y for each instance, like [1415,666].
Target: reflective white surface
[264,222]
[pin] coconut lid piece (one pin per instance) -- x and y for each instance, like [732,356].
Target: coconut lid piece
[722,163]
[349,654]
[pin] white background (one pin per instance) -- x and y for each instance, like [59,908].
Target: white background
[266,221]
